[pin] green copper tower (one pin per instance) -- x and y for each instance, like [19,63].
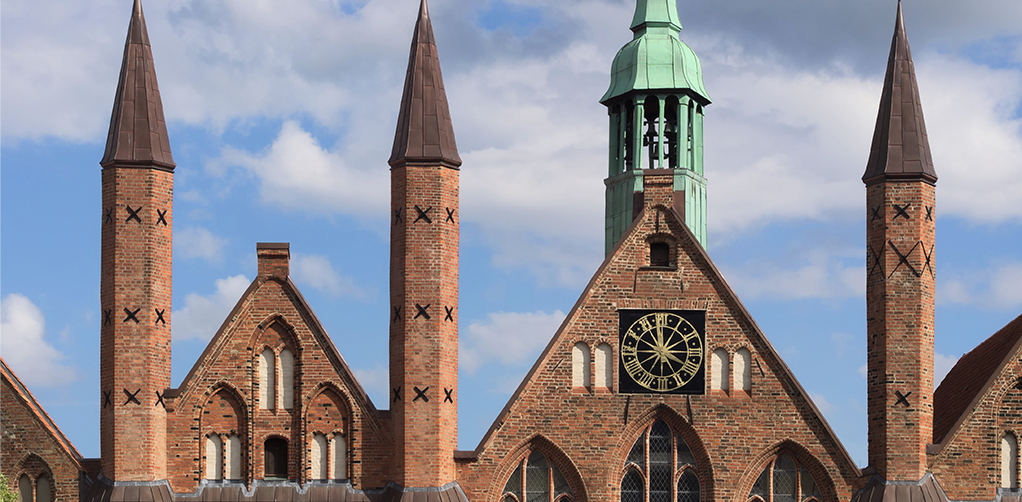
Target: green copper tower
[655,102]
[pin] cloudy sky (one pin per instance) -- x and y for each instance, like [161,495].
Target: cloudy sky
[281,116]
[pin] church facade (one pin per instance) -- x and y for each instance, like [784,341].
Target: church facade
[658,386]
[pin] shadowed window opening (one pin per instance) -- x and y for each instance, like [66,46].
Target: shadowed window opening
[275,466]
[660,254]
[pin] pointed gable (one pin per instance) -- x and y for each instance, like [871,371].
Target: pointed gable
[900,146]
[424,129]
[22,394]
[138,131]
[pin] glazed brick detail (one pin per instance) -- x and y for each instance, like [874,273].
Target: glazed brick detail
[425,222]
[588,434]
[899,318]
[135,318]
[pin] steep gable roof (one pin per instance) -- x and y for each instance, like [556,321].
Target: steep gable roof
[702,259]
[25,396]
[971,378]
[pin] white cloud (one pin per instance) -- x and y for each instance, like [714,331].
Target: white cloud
[864,370]
[942,364]
[24,347]
[820,273]
[507,338]
[198,242]
[375,381]
[825,407]
[317,272]
[996,287]
[202,316]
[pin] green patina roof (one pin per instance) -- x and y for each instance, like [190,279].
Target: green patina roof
[656,58]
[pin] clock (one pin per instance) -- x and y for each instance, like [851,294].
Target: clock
[662,351]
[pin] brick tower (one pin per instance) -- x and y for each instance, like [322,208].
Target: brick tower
[655,102]
[424,273]
[135,289]
[900,183]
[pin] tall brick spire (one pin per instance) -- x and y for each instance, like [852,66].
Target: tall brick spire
[424,274]
[138,132]
[900,198]
[424,130]
[135,295]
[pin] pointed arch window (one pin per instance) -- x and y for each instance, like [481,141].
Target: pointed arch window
[43,489]
[785,480]
[287,379]
[25,488]
[214,457]
[536,480]
[267,379]
[661,464]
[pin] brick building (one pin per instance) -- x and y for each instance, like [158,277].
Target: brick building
[682,396]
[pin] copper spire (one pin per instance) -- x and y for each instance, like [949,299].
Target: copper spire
[424,130]
[138,132]
[900,148]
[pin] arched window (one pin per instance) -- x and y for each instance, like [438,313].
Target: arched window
[275,460]
[656,459]
[580,372]
[604,368]
[1009,461]
[542,482]
[318,451]
[267,379]
[339,455]
[287,379]
[660,254]
[25,488]
[232,453]
[719,371]
[214,457]
[43,492]
[743,370]
[784,480]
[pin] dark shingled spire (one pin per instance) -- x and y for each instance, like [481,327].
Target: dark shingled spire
[424,130]
[900,148]
[138,132]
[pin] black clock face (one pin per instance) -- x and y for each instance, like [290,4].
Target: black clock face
[662,351]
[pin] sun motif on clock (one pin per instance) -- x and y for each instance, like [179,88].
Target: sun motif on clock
[662,351]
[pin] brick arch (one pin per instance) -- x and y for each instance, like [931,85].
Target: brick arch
[34,466]
[283,328]
[222,395]
[552,452]
[341,402]
[680,426]
[801,454]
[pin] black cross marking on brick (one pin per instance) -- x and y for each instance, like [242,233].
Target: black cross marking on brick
[420,394]
[876,214]
[929,213]
[159,400]
[902,398]
[106,316]
[131,315]
[928,256]
[447,395]
[450,215]
[133,214]
[876,261]
[397,313]
[161,217]
[397,215]
[106,398]
[903,258]
[423,215]
[131,396]
[159,317]
[397,394]
[108,215]
[422,311]
[450,312]
[901,211]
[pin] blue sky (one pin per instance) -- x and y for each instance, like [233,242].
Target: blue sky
[281,117]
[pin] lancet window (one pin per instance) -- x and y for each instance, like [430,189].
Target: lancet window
[1009,461]
[276,371]
[661,465]
[536,479]
[784,480]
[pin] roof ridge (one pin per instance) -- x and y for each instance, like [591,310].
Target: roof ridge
[424,128]
[138,130]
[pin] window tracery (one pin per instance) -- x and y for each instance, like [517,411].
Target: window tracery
[785,480]
[536,480]
[661,465]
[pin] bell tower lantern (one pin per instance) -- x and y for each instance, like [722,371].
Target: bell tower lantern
[655,102]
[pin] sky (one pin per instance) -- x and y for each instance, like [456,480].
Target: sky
[281,117]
